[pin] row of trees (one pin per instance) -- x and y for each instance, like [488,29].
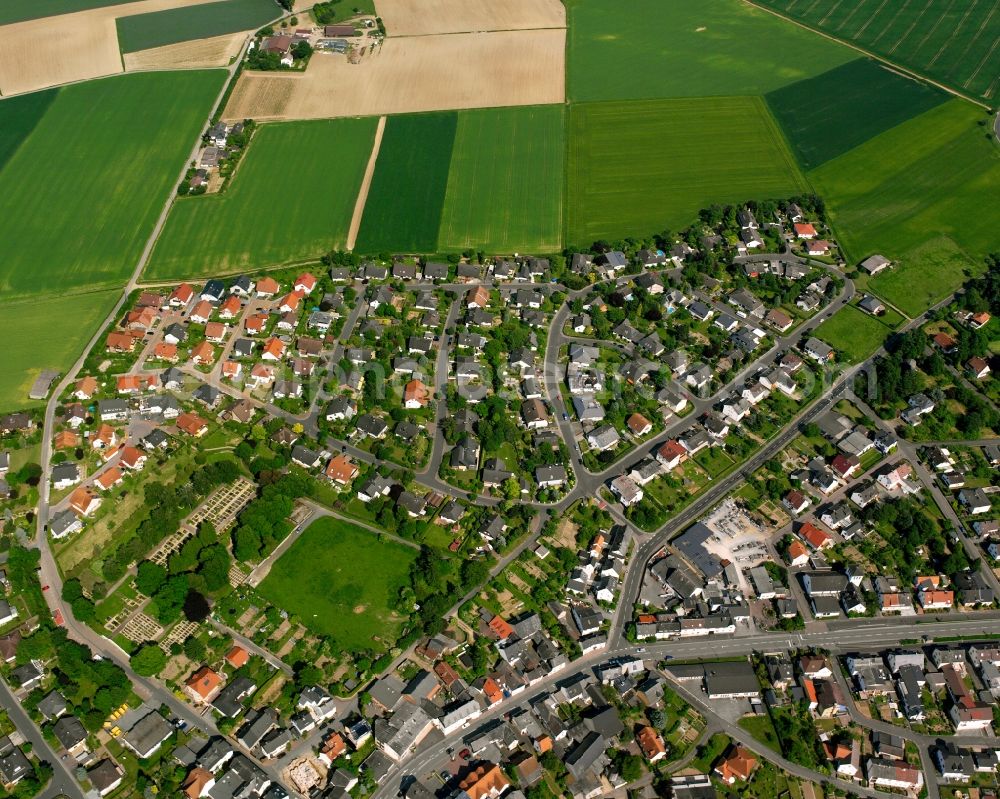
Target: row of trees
[983,293]
[165,505]
[913,537]
[264,522]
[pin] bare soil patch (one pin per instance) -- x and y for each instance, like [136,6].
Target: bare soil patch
[405,75]
[424,17]
[49,51]
[566,534]
[198,54]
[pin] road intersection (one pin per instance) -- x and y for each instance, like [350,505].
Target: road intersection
[587,485]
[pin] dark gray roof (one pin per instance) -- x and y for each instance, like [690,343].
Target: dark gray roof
[70,732]
[53,705]
[148,733]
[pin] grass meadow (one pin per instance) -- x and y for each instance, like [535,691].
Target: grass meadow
[505,182]
[20,10]
[827,115]
[340,581]
[853,334]
[954,42]
[276,210]
[84,189]
[158,28]
[636,168]
[46,333]
[403,209]
[924,276]
[678,48]
[933,176]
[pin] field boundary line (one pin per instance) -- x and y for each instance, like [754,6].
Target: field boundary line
[366,184]
[911,73]
[488,30]
[782,143]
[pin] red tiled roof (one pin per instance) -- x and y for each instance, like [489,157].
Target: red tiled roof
[501,628]
[204,682]
[237,657]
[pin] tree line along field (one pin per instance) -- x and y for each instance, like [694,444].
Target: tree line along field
[159,28]
[340,581]
[282,205]
[954,42]
[20,10]
[88,180]
[505,181]
[922,193]
[829,114]
[635,168]
[677,48]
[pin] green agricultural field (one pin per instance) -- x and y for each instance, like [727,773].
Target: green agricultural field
[955,42]
[679,48]
[827,115]
[636,168]
[932,176]
[924,276]
[853,334]
[84,189]
[18,117]
[276,210]
[505,184]
[143,31]
[47,333]
[403,209]
[340,581]
[20,10]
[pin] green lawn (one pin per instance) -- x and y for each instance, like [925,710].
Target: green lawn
[403,209]
[86,186]
[714,461]
[143,31]
[679,48]
[924,276]
[827,115]
[20,10]
[45,334]
[710,751]
[18,118]
[932,176]
[636,168]
[340,581]
[505,183]
[852,333]
[760,727]
[291,198]
[951,41]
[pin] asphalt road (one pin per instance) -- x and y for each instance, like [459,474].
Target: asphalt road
[587,485]
[868,636]
[63,781]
